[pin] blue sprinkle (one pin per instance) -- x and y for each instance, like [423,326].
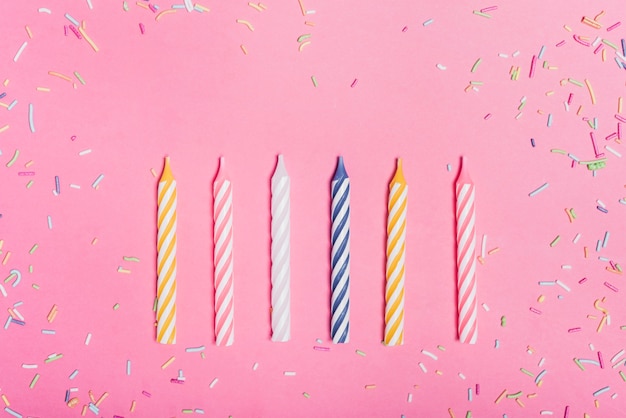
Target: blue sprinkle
[605,241]
[598,246]
[17,321]
[601,209]
[12,104]
[12,412]
[619,62]
[549,120]
[2,95]
[71,19]
[67,396]
[541,51]
[624,47]
[532,142]
[57,184]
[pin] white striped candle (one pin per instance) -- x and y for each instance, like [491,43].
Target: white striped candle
[340,255]
[280,252]
[466,258]
[223,257]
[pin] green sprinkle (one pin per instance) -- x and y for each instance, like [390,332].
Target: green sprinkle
[477,83]
[14,159]
[303,37]
[579,364]
[523,370]
[618,267]
[34,381]
[53,358]
[360,353]
[79,78]
[202,355]
[30,183]
[33,248]
[514,395]
[154,305]
[503,321]
[35,286]
[521,106]
[187,411]
[621,373]
[134,259]
[306,395]
[116,306]
[314,80]
[545,64]
[476,64]
[30,268]
[555,241]
[575,82]
[609,43]
[479,13]
[468,414]
[571,211]
[558,151]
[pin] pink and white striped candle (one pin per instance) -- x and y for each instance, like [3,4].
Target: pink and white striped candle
[223,258]
[466,258]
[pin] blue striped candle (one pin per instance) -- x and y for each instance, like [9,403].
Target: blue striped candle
[340,255]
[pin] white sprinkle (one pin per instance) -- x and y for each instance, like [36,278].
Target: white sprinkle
[501,55]
[485,307]
[546,413]
[289,373]
[84,152]
[48,332]
[6,324]
[483,247]
[576,238]
[74,186]
[71,19]
[29,366]
[3,291]
[617,356]
[195,349]
[538,190]
[449,167]
[563,285]
[19,51]
[566,267]
[540,364]
[189,5]
[319,340]
[97,181]
[428,22]
[74,374]
[89,5]
[462,376]
[255,366]
[44,10]
[88,338]
[429,354]
[601,203]
[213,383]
[591,347]
[612,151]
[422,367]
[596,41]
[573,157]
[198,411]
[409,398]
[49,222]
[127,367]
[515,54]
[605,241]
[441,67]
[566,106]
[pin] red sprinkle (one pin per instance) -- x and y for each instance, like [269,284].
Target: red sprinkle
[535,310]
[600,360]
[142,28]
[144,393]
[610,286]
[577,329]
[583,280]
[354,83]
[560,44]
[76,32]
[613,26]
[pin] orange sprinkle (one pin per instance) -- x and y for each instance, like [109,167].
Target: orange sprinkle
[499,398]
[519,402]
[6,258]
[28,32]
[63,76]
[168,362]
[243,48]
[102,398]
[164,12]
[493,251]
[586,252]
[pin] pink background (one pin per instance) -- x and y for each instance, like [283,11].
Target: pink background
[186,89]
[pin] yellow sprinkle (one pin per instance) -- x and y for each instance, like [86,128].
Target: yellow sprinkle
[5,400]
[132,406]
[46,89]
[603,55]
[88,39]
[531,395]
[590,89]
[154,174]
[121,269]
[34,381]
[30,183]
[6,258]
[28,32]
[541,298]
[12,160]
[567,28]
[549,93]
[579,111]
[245,22]
[439,372]
[4,128]
[586,251]
[164,12]
[168,362]
[243,48]
[619,104]
[28,164]
[519,402]
[6,82]
[302,45]
[84,411]
[102,398]
[302,9]
[451,413]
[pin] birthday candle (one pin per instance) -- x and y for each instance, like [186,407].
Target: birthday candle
[340,255]
[281,270]
[166,258]
[466,258]
[396,238]
[223,257]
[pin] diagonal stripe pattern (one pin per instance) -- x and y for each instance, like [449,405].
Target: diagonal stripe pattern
[340,261]
[223,261]
[280,252]
[466,263]
[396,246]
[166,258]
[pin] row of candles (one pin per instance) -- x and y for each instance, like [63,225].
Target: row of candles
[339,260]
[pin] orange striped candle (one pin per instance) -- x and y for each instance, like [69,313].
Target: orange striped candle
[396,238]
[166,257]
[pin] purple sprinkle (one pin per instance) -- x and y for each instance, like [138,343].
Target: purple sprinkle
[600,360]
[477,389]
[25,173]
[144,393]
[535,310]
[583,280]
[566,414]
[577,329]
[180,382]
[317,347]
[17,321]
[610,286]
[354,82]
[601,209]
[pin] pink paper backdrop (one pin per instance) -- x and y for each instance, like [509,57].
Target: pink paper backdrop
[389,84]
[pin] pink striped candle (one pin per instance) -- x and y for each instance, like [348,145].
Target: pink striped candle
[466,258]
[223,257]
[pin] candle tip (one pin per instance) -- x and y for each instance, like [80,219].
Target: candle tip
[222,161]
[281,170]
[399,176]
[167,171]
[340,172]
[464,176]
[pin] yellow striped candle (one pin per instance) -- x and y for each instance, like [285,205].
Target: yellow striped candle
[166,257]
[396,238]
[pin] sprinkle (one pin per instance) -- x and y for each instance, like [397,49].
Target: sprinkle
[88,338]
[535,310]
[370,386]
[89,40]
[255,366]
[168,362]
[19,51]
[314,80]
[12,412]
[422,367]
[538,190]
[49,222]
[540,376]
[549,120]
[428,22]
[479,13]
[245,22]
[429,354]
[499,398]
[213,383]
[617,356]
[48,332]
[354,83]
[14,158]
[555,241]
[610,286]
[4,128]
[485,307]
[73,374]
[31,122]
[97,181]
[526,372]
[601,391]
[360,353]
[243,49]
[53,357]
[195,349]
